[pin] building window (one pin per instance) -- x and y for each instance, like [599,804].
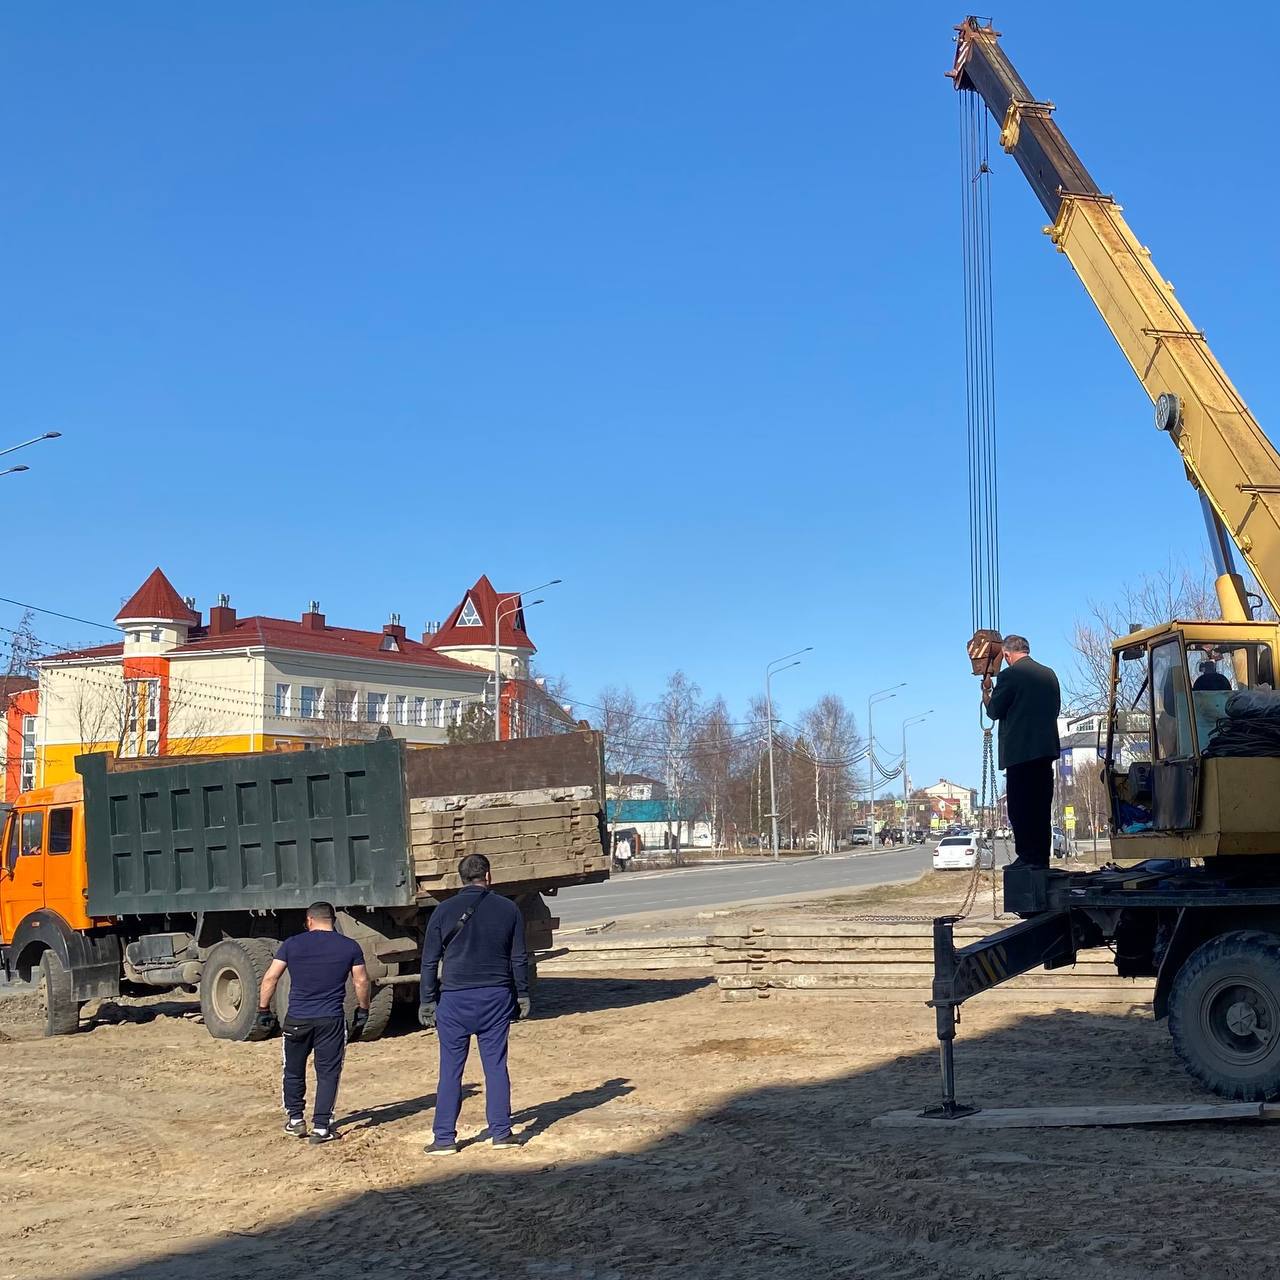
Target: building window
[455,711]
[155,635]
[420,712]
[284,700]
[402,708]
[28,776]
[437,712]
[469,617]
[311,701]
[348,704]
[142,718]
[376,708]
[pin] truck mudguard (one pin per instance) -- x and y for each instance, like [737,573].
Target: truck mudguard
[92,959]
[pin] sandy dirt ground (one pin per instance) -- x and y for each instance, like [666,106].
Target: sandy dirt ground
[667,1134]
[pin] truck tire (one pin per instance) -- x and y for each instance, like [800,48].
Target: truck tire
[61,1014]
[381,1002]
[1224,1015]
[229,984]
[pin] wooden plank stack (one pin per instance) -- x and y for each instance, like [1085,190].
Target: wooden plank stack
[865,960]
[550,836]
[601,953]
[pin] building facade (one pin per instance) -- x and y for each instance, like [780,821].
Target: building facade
[180,683]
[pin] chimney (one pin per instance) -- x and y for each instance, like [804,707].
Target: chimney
[428,631]
[222,617]
[313,619]
[393,628]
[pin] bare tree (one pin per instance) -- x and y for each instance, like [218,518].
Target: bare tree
[676,719]
[832,735]
[1154,598]
[625,740]
[716,755]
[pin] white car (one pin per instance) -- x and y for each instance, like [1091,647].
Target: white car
[1061,845]
[962,853]
[860,835]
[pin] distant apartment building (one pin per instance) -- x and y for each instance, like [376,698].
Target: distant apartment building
[180,683]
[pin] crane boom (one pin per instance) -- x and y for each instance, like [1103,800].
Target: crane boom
[1227,456]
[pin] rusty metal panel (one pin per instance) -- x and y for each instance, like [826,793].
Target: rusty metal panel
[524,764]
[264,831]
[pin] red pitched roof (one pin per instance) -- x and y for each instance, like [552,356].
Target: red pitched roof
[157,599]
[486,600]
[287,633]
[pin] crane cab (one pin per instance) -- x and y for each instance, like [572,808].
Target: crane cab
[1177,783]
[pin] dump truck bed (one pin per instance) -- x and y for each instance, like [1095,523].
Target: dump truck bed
[372,825]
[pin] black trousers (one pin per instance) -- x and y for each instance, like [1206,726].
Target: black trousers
[326,1038]
[1029,794]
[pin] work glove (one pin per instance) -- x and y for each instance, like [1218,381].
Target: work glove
[359,1021]
[524,1006]
[427,1014]
[266,1021]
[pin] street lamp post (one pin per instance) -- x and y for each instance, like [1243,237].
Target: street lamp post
[48,435]
[515,603]
[881,695]
[8,471]
[924,715]
[769,673]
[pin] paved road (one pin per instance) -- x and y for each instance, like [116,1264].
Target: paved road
[709,886]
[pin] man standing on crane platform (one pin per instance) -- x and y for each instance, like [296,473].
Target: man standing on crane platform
[1026,699]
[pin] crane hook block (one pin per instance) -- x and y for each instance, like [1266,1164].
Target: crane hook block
[985,652]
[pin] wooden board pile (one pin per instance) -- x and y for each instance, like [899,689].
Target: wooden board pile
[864,960]
[601,953]
[549,835]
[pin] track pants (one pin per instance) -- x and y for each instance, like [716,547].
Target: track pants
[486,1013]
[1029,793]
[326,1038]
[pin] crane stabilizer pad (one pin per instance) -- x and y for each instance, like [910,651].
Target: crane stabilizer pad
[1087,1117]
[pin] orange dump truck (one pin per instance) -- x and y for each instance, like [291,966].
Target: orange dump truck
[189,873]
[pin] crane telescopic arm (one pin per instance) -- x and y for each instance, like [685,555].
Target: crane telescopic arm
[1227,457]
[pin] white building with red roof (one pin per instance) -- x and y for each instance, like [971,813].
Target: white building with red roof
[178,682]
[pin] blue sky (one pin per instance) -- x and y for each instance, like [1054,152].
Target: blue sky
[358,301]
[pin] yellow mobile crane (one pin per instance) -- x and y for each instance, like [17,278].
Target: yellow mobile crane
[1192,770]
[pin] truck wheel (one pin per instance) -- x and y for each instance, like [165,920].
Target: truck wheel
[229,986]
[1224,1015]
[61,1014]
[381,1002]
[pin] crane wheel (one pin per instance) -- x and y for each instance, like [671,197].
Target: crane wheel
[59,1012]
[1224,1015]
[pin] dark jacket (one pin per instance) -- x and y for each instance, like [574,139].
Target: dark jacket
[489,952]
[1026,701]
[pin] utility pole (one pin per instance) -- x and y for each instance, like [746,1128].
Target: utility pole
[769,673]
[881,695]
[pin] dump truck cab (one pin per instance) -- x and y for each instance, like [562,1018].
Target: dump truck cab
[44,869]
[1169,689]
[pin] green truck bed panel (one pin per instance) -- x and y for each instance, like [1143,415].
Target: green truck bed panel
[268,831]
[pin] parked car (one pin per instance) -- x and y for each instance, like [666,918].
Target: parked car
[962,853]
[1004,833]
[859,835]
[1061,845]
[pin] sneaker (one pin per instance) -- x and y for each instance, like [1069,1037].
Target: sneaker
[296,1127]
[438,1148]
[323,1133]
[509,1141]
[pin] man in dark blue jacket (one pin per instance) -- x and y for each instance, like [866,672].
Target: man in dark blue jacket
[477,938]
[1026,700]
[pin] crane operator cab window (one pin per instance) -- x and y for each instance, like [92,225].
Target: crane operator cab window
[1168,710]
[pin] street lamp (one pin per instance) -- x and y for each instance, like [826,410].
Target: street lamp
[924,715]
[769,672]
[498,614]
[48,435]
[881,695]
[8,471]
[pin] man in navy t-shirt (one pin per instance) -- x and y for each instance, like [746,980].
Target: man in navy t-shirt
[318,962]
